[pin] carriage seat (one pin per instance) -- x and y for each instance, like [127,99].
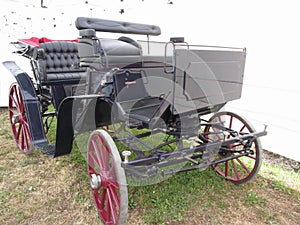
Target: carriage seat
[58,63]
[107,52]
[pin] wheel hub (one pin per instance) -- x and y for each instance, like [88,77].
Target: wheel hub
[95,181]
[15,119]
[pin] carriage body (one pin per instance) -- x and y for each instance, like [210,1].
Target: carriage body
[134,91]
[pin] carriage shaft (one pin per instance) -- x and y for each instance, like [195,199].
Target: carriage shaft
[204,165]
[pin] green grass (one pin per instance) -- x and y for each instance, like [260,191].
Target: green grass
[253,199]
[173,198]
[280,186]
[200,195]
[283,179]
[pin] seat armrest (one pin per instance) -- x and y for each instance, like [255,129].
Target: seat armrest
[39,53]
[41,66]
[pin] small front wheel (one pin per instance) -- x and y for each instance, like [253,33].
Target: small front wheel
[107,178]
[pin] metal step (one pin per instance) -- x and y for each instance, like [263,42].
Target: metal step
[48,150]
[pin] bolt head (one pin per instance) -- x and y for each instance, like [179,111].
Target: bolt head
[126,153]
[15,119]
[95,181]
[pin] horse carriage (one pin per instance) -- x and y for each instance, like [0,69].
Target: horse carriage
[161,103]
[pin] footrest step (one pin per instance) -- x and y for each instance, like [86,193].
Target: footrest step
[48,150]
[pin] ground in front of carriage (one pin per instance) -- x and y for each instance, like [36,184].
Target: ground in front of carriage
[39,190]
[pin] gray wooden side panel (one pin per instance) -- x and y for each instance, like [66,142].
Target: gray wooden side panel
[207,77]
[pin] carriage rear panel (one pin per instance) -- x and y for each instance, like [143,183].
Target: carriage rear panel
[205,78]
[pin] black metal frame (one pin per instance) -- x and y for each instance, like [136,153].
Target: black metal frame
[199,156]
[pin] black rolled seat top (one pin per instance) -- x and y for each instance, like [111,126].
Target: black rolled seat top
[111,53]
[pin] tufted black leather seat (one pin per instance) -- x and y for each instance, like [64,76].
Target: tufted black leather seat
[58,62]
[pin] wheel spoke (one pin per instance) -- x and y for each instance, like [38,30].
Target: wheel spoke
[243,165]
[99,202]
[22,138]
[26,135]
[251,157]
[243,128]
[14,97]
[104,152]
[94,160]
[113,184]
[19,96]
[230,123]
[12,111]
[108,205]
[226,169]
[26,142]
[111,206]
[99,159]
[103,198]
[26,139]
[91,169]
[16,104]
[22,108]
[235,169]
[26,127]
[115,197]
[24,121]
[19,132]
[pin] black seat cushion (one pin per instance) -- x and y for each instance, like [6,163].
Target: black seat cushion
[66,76]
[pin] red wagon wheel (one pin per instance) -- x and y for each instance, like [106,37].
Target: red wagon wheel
[241,169]
[107,178]
[18,120]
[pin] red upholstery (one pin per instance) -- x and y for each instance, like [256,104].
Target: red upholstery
[35,42]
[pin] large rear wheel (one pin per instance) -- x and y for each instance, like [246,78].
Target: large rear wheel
[18,120]
[107,178]
[244,168]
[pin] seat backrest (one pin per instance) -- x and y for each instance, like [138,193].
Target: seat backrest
[107,53]
[58,57]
